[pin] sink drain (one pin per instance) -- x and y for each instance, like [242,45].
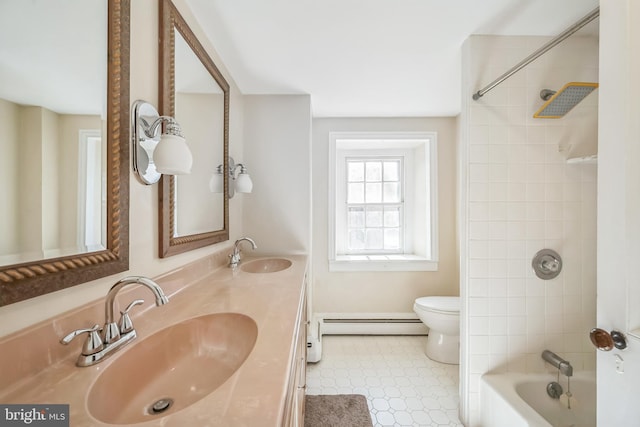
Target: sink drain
[160,405]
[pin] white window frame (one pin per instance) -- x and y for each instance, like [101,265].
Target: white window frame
[421,254]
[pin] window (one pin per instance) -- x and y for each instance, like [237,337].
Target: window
[382,202]
[374,205]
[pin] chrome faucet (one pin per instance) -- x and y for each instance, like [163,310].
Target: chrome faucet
[97,348]
[234,258]
[558,362]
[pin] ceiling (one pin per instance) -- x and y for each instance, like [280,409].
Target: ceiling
[54,54]
[369,58]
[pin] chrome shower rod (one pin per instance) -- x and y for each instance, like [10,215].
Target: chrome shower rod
[551,44]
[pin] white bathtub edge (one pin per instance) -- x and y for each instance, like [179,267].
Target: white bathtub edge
[498,410]
[502,406]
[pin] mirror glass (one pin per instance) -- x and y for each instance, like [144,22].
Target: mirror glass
[197,95]
[199,108]
[52,112]
[63,138]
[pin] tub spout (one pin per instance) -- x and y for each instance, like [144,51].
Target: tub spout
[558,362]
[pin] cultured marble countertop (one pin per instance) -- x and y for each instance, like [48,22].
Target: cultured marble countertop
[253,396]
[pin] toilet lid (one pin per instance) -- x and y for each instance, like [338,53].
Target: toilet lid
[439,303]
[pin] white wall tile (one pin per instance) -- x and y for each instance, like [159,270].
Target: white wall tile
[535,231]
[499,325]
[480,326]
[517,288]
[478,288]
[497,289]
[517,230]
[499,134]
[535,201]
[516,306]
[536,192]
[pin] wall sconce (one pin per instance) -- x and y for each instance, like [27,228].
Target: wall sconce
[241,183]
[156,153]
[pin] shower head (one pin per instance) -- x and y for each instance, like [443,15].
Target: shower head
[561,102]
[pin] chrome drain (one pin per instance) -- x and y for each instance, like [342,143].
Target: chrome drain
[160,405]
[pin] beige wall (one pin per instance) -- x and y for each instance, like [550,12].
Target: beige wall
[42,148]
[383,292]
[30,180]
[143,199]
[9,212]
[277,213]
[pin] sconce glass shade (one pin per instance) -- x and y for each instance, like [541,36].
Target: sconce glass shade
[237,184]
[157,151]
[172,156]
[216,183]
[244,183]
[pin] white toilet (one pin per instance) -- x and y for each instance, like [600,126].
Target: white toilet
[442,316]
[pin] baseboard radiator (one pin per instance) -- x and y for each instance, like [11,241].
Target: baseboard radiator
[370,324]
[359,324]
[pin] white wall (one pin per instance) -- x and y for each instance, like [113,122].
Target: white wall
[519,196]
[619,209]
[277,154]
[143,213]
[383,292]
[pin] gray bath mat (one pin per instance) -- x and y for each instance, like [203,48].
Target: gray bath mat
[336,410]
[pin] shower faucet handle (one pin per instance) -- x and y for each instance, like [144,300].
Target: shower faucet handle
[547,264]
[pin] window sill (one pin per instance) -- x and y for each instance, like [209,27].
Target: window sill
[382,263]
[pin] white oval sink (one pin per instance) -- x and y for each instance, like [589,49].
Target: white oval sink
[172,368]
[266,265]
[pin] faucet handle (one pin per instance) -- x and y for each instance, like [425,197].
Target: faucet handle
[93,343]
[125,321]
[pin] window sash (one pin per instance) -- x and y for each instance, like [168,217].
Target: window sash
[374,229]
[374,205]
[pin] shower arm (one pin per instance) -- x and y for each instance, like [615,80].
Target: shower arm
[535,55]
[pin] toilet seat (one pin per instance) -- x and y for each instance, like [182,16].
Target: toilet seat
[445,305]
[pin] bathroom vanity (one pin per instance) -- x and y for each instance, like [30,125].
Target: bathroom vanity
[297,385]
[229,349]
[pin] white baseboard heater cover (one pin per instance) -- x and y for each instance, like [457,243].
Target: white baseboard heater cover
[365,325]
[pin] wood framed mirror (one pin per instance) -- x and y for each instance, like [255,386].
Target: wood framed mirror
[193,90]
[56,241]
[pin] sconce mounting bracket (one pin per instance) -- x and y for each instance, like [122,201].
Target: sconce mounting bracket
[143,114]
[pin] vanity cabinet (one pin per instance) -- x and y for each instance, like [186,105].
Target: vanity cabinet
[297,385]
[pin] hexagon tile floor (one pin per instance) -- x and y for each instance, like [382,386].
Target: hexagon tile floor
[403,386]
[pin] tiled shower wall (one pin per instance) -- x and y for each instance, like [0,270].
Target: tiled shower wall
[519,195]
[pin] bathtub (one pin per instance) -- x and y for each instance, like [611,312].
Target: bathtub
[515,400]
